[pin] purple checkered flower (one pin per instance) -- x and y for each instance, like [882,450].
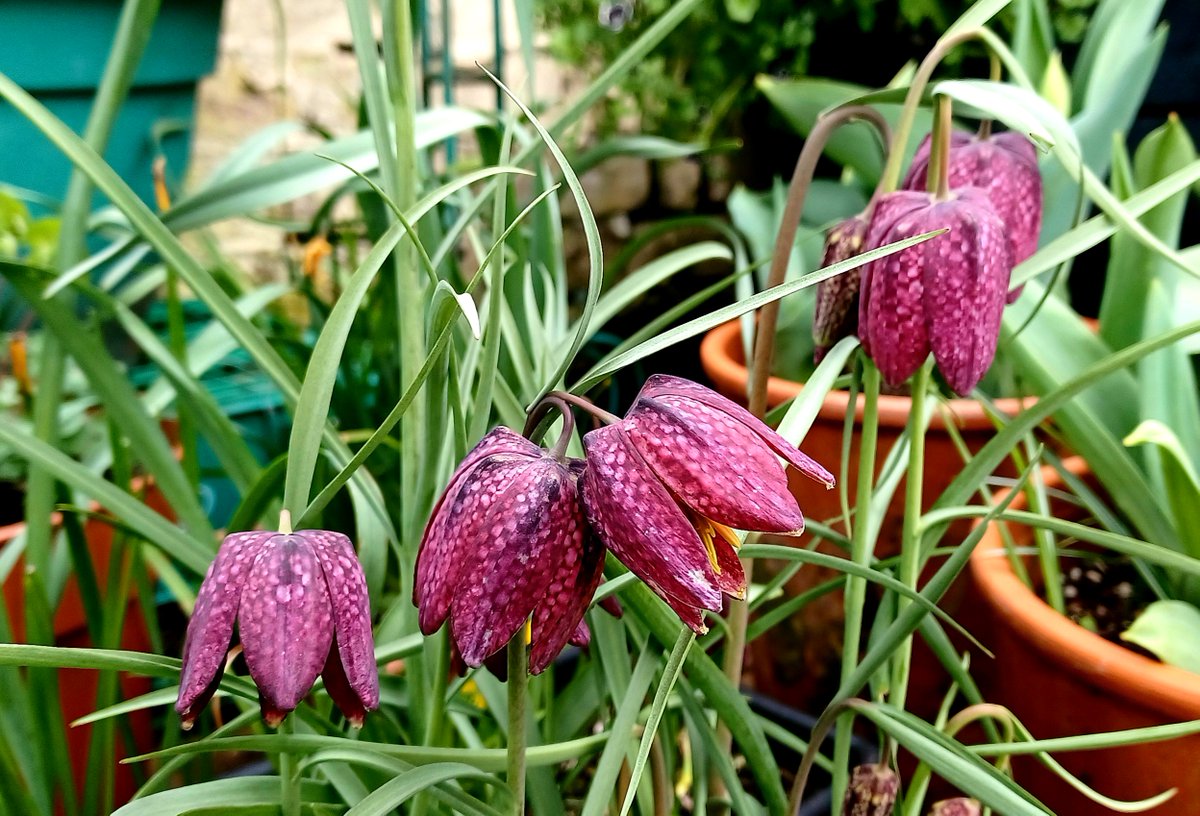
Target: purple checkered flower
[1003,164]
[508,541]
[836,312]
[944,295]
[301,605]
[664,486]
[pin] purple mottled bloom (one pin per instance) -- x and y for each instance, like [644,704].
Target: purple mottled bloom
[1006,166]
[507,541]
[961,806]
[664,485]
[944,295]
[301,605]
[871,791]
[836,312]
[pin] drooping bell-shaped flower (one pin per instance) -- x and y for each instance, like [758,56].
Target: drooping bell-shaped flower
[961,806]
[944,295]
[836,313]
[508,540]
[871,791]
[1006,166]
[301,607]
[664,486]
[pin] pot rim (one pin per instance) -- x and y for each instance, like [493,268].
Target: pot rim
[1165,689]
[722,358]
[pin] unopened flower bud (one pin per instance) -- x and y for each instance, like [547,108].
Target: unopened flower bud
[962,806]
[836,313]
[871,792]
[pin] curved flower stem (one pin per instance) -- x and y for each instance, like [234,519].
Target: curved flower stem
[910,541]
[820,730]
[553,400]
[785,239]
[908,114]
[518,681]
[862,548]
[981,711]
[587,405]
[289,778]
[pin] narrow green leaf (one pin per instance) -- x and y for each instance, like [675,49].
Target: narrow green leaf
[724,314]
[670,674]
[234,792]
[395,792]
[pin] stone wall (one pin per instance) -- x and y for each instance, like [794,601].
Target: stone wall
[302,67]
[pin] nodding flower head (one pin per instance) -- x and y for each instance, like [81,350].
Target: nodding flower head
[506,541]
[664,486]
[836,312]
[1005,166]
[944,295]
[300,603]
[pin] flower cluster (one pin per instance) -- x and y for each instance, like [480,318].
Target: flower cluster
[521,532]
[945,295]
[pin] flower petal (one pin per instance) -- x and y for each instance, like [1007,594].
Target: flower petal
[636,518]
[891,307]
[662,386]
[532,519]
[351,612]
[443,551]
[558,617]
[338,687]
[286,622]
[211,628]
[966,278]
[713,464]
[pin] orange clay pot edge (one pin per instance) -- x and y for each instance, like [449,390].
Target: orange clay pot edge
[722,358]
[1166,689]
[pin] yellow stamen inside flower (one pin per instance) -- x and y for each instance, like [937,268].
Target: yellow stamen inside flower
[527,631]
[709,531]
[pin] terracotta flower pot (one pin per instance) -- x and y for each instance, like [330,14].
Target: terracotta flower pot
[77,687]
[798,661]
[1063,680]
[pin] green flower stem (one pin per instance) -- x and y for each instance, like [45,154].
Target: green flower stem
[995,72]
[938,180]
[862,549]
[910,537]
[518,681]
[289,778]
[764,351]
[890,179]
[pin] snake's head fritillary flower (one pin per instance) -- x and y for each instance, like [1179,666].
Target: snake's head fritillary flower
[665,485]
[944,295]
[836,312]
[871,791]
[506,541]
[302,611]
[1006,166]
[961,806]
